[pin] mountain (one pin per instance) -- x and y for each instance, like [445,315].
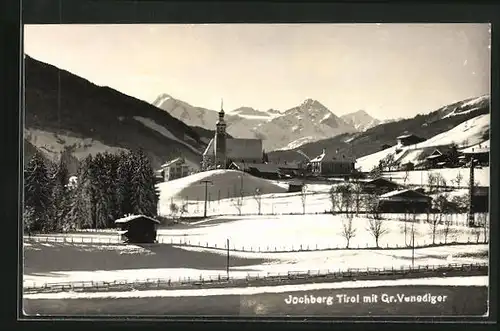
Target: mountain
[361,120]
[307,122]
[66,112]
[360,144]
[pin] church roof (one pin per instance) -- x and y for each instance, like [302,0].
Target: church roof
[239,148]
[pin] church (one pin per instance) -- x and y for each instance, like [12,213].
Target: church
[222,151]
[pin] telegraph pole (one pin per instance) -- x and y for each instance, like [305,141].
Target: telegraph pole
[413,244]
[206,182]
[471,192]
[227,264]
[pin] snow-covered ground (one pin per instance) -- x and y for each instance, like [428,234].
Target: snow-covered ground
[291,232]
[420,177]
[465,134]
[163,131]
[434,281]
[53,144]
[282,263]
[223,184]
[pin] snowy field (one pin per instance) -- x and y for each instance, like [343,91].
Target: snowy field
[275,263]
[433,281]
[292,232]
[420,177]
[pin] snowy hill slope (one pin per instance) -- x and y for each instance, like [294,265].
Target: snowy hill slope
[466,134]
[64,110]
[224,184]
[359,144]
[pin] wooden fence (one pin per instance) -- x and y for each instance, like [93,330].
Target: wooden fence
[105,239]
[291,277]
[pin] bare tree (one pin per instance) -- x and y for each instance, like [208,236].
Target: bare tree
[183,209]
[477,234]
[348,230]
[459,178]
[446,229]
[333,198]
[303,197]
[483,221]
[406,177]
[433,223]
[431,181]
[174,209]
[258,198]
[346,196]
[238,203]
[357,190]
[376,229]
[372,206]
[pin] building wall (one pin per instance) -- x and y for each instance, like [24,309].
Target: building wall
[175,171]
[332,167]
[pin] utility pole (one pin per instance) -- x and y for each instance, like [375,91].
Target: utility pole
[206,182]
[413,244]
[227,264]
[471,193]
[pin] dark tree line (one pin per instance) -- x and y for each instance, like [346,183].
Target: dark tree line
[108,187]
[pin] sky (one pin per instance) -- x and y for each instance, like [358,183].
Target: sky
[388,70]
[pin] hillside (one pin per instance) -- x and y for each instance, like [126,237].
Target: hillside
[67,111]
[307,122]
[473,132]
[372,140]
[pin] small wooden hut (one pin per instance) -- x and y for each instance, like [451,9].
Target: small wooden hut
[138,229]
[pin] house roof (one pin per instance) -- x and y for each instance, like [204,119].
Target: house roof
[130,218]
[406,136]
[406,193]
[239,148]
[477,149]
[322,157]
[378,180]
[171,162]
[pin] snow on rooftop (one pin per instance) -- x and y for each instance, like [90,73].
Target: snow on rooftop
[129,218]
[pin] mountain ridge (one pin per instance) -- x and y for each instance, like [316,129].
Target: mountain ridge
[65,111]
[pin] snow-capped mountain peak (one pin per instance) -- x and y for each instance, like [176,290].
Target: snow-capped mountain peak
[161,99]
[361,120]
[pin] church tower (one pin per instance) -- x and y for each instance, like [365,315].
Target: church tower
[220,140]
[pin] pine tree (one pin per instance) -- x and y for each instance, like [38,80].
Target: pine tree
[124,184]
[81,213]
[37,195]
[145,197]
[60,197]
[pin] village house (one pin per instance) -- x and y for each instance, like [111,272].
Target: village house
[177,168]
[222,151]
[402,201]
[268,170]
[336,164]
[480,199]
[378,185]
[137,229]
[480,152]
[409,139]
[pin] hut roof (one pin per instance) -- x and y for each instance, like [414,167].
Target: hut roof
[406,194]
[134,217]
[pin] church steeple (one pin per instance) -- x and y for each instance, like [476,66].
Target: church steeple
[221,112]
[220,139]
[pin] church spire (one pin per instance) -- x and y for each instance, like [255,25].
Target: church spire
[221,112]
